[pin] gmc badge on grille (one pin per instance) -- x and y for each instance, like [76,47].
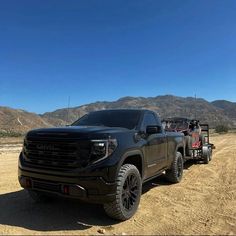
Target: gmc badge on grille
[46,147]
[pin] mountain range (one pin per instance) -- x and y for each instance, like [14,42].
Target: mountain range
[214,113]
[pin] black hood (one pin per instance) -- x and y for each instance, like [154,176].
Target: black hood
[77,132]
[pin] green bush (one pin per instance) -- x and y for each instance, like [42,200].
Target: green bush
[4,134]
[221,129]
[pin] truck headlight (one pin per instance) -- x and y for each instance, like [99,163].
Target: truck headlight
[101,149]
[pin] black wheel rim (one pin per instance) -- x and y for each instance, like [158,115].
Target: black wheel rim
[179,167]
[130,192]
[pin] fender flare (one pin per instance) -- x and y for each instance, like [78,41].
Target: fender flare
[129,153]
[180,145]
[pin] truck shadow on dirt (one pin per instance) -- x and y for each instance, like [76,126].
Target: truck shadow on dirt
[162,181]
[17,209]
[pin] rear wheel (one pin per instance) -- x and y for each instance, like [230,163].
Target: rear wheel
[175,173]
[128,193]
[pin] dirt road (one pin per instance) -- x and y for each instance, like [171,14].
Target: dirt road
[203,203]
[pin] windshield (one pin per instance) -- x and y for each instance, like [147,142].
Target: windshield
[112,118]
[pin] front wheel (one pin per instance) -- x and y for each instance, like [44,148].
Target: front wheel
[175,173]
[128,193]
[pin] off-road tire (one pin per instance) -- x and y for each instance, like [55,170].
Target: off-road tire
[207,157]
[128,193]
[38,196]
[175,173]
[210,153]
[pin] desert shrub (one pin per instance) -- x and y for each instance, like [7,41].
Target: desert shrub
[4,134]
[221,129]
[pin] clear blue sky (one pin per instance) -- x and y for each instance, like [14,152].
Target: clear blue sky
[95,50]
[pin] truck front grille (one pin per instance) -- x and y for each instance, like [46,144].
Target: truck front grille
[57,154]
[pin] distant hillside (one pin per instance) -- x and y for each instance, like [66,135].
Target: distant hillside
[165,106]
[217,112]
[228,108]
[19,120]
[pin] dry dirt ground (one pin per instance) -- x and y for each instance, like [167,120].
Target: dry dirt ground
[203,203]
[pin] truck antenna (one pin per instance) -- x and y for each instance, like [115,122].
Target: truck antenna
[195,106]
[68,109]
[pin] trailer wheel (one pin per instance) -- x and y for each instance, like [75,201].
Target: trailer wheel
[128,193]
[206,154]
[210,153]
[206,159]
[175,173]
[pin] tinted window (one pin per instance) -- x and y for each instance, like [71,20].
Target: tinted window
[115,118]
[148,119]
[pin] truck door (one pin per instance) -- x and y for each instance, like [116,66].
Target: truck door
[155,147]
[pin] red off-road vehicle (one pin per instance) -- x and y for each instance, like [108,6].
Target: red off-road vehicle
[197,143]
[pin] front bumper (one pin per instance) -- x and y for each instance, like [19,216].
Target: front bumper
[94,189]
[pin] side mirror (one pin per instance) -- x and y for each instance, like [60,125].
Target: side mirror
[153,129]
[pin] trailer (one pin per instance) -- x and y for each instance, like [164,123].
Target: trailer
[197,137]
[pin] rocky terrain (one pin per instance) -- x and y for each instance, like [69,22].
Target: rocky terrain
[16,120]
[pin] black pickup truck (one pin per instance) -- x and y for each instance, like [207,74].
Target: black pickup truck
[104,157]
